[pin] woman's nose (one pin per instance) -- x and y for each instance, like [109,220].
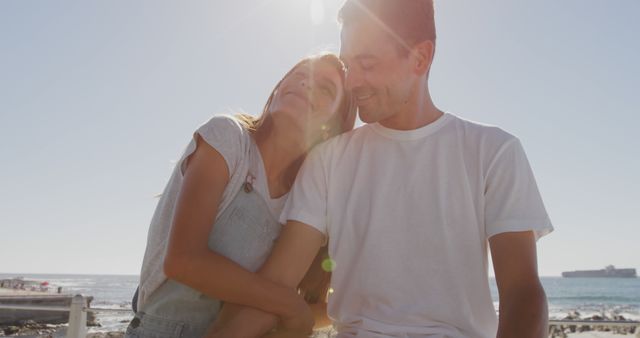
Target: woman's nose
[305,85]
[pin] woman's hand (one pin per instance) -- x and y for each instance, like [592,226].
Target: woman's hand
[286,334]
[242,322]
[301,321]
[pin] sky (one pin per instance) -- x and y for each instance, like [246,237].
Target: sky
[99,98]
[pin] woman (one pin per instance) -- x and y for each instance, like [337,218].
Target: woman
[217,219]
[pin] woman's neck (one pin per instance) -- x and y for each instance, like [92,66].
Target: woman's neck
[282,154]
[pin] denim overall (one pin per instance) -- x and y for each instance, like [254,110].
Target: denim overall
[245,233]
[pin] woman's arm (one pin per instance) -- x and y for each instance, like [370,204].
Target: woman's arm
[189,259]
[288,263]
[313,288]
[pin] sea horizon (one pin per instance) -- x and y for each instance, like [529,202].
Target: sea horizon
[19,274]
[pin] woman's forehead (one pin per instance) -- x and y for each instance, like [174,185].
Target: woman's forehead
[324,67]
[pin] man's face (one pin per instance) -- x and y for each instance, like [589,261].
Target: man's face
[379,76]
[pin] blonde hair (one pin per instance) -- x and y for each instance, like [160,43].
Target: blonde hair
[344,118]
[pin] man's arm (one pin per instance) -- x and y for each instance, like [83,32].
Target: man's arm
[314,287]
[523,303]
[289,261]
[320,314]
[293,253]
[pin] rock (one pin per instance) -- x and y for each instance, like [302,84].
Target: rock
[584,328]
[106,335]
[11,330]
[573,315]
[27,323]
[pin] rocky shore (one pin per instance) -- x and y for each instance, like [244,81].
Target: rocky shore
[566,331]
[31,329]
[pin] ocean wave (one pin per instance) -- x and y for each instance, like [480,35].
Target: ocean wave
[585,299]
[111,305]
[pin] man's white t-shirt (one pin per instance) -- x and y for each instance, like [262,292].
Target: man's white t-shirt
[408,215]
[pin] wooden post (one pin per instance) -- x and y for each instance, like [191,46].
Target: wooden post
[77,318]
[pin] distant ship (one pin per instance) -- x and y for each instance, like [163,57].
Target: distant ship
[609,271]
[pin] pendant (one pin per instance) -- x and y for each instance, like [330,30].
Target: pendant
[248,187]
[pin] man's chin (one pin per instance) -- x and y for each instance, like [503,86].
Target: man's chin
[368,116]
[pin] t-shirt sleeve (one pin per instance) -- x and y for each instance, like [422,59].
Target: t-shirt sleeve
[307,202]
[225,135]
[512,200]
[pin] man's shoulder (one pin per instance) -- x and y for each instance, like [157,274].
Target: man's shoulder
[482,133]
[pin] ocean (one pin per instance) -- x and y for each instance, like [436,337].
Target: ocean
[588,296]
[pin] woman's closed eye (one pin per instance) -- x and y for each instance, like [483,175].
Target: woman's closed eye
[327,87]
[327,91]
[367,65]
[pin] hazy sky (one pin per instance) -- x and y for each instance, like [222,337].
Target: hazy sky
[98,98]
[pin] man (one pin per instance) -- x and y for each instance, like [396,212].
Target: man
[410,201]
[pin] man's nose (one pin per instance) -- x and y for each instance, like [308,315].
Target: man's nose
[353,79]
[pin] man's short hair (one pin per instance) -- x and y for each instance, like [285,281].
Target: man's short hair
[410,21]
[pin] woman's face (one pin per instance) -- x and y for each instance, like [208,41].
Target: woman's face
[309,96]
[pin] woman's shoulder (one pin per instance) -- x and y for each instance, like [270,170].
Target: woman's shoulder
[228,137]
[224,130]
[223,123]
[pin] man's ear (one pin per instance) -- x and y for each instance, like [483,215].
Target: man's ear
[423,56]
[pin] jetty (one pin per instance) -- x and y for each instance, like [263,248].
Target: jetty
[23,294]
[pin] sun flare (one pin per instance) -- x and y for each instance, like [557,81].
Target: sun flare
[316,11]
